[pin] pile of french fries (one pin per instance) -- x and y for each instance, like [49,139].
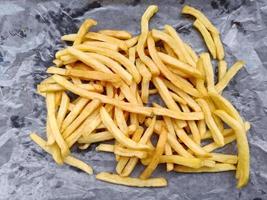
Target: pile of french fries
[113,74]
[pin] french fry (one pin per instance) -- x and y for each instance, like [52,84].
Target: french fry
[228,76]
[150,11]
[50,88]
[106,38]
[242,144]
[216,133]
[158,152]
[69,37]
[168,152]
[50,103]
[206,36]
[201,17]
[116,56]
[178,99]
[106,45]
[218,46]
[74,113]
[131,42]
[224,158]
[83,30]
[97,137]
[145,80]
[222,68]
[187,69]
[63,108]
[128,181]
[200,83]
[220,167]
[206,63]
[179,160]
[168,50]
[191,52]
[185,56]
[120,34]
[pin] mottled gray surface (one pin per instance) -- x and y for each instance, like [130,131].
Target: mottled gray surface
[29,36]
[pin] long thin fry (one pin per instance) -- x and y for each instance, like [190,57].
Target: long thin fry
[83,30]
[218,168]
[131,42]
[97,137]
[50,103]
[120,34]
[179,160]
[128,181]
[228,76]
[218,45]
[222,68]
[50,87]
[206,36]
[206,63]
[151,10]
[63,108]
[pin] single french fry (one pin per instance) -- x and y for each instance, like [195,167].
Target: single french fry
[120,34]
[97,137]
[201,17]
[179,160]
[191,52]
[106,38]
[74,113]
[242,145]
[224,158]
[158,152]
[58,62]
[185,55]
[128,181]
[93,75]
[201,124]
[69,37]
[56,70]
[88,109]
[116,56]
[206,36]
[63,108]
[200,83]
[222,68]
[169,50]
[106,45]
[83,30]
[216,133]
[50,137]
[192,125]
[178,99]
[206,63]
[104,99]
[168,152]
[178,81]
[150,11]
[50,103]
[145,80]
[91,87]
[218,45]
[43,88]
[219,167]
[228,76]
[177,64]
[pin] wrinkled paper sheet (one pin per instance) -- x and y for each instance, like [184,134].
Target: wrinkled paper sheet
[30,35]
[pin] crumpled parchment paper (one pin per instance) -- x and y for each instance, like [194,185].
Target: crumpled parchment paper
[29,36]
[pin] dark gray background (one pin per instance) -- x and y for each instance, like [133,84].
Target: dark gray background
[29,36]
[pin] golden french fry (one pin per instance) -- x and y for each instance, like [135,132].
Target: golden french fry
[201,124]
[50,103]
[222,68]
[224,158]
[216,133]
[185,55]
[56,70]
[206,36]
[106,45]
[178,99]
[206,63]
[106,38]
[191,52]
[116,56]
[150,11]
[242,145]
[69,37]
[186,68]
[168,50]
[201,17]
[97,137]
[128,181]
[158,152]
[83,30]
[179,160]
[43,88]
[120,34]
[219,167]
[228,76]
[58,62]
[74,113]
[168,152]
[200,83]
[218,45]
[63,108]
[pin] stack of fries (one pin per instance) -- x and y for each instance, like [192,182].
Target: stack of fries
[113,74]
